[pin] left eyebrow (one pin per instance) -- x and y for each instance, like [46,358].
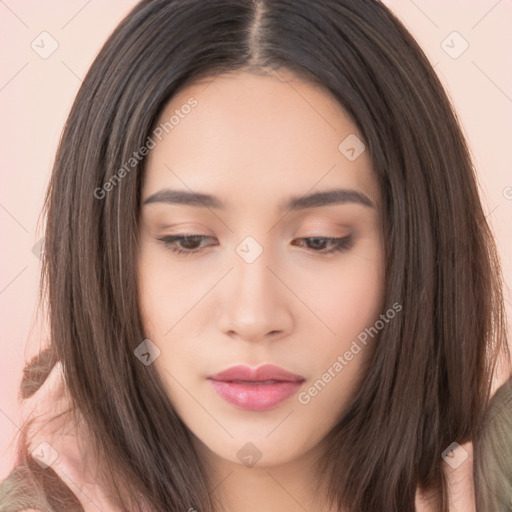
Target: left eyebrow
[335,196]
[314,200]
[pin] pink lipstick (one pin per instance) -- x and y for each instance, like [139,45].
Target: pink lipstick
[255,389]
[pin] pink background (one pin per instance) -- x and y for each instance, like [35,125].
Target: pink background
[36,95]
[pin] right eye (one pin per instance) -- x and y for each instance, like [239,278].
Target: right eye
[183,244]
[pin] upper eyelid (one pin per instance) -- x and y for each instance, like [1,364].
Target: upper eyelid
[339,241]
[202,237]
[173,238]
[309,233]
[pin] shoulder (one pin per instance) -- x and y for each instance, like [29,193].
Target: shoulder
[494,454]
[18,493]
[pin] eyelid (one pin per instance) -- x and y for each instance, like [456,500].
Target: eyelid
[338,244]
[315,227]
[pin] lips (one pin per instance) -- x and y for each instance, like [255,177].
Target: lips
[262,373]
[255,389]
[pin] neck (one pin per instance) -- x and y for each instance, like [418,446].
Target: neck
[287,487]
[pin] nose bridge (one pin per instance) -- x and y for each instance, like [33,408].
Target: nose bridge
[256,304]
[253,279]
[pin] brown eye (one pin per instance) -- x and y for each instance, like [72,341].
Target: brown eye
[183,244]
[318,244]
[191,244]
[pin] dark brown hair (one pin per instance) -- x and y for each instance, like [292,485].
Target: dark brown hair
[430,377]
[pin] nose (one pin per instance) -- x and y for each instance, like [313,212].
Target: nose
[256,303]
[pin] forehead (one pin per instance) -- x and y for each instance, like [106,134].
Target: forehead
[249,134]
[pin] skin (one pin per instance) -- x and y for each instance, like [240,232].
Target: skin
[254,141]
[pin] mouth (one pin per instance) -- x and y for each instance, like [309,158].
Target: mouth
[257,389]
[255,382]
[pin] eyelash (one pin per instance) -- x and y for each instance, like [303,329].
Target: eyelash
[340,244]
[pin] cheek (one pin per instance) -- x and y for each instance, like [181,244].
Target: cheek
[165,294]
[169,310]
[350,309]
[349,297]
[361,296]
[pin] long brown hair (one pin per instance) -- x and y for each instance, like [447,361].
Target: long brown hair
[430,376]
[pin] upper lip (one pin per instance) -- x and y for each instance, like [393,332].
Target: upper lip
[262,373]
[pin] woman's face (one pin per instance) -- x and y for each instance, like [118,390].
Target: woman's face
[258,284]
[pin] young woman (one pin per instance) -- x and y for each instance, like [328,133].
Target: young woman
[270,281]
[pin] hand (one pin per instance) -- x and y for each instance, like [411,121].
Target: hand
[62,443]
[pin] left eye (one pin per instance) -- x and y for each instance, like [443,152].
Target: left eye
[337,244]
[190,244]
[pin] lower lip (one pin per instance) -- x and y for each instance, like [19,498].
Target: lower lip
[255,397]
